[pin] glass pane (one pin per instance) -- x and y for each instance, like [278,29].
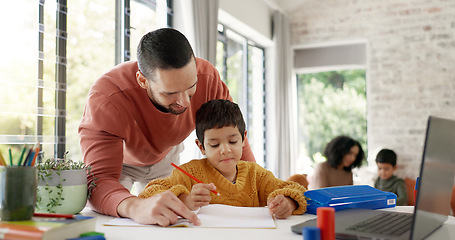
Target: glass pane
[235,66]
[48,84]
[220,59]
[256,102]
[143,19]
[91,52]
[18,73]
[321,117]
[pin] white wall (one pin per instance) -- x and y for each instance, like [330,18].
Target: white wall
[410,59]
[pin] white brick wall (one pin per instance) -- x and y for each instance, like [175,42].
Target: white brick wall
[410,65]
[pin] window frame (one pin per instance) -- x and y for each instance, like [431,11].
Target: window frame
[122,53]
[246,103]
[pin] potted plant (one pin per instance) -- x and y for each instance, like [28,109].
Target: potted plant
[62,186]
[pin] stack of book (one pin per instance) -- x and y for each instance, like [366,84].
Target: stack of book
[47,227]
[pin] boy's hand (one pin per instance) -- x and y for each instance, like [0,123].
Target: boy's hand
[281,206]
[199,196]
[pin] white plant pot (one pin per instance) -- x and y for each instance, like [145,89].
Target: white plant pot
[65,193]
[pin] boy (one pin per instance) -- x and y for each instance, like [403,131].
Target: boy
[221,134]
[386,161]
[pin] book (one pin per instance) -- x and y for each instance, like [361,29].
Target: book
[217,216]
[47,228]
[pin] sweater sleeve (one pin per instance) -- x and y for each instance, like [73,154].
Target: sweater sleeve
[402,195]
[176,182]
[270,186]
[102,147]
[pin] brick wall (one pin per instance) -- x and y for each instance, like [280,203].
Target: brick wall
[410,65]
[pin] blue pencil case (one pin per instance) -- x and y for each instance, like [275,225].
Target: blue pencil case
[352,196]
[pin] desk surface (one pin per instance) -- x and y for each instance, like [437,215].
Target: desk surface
[283,230]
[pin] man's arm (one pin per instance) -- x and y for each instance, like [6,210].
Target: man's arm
[162,209]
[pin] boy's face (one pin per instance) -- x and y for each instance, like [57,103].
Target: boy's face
[385,170]
[223,148]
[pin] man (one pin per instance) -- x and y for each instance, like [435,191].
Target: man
[136,118]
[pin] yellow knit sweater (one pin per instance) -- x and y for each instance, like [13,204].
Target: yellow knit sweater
[253,186]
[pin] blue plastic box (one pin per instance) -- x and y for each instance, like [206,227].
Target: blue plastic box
[352,196]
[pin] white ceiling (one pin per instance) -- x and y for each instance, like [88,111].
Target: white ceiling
[285,5]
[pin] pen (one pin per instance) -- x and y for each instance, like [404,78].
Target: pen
[54,215]
[192,177]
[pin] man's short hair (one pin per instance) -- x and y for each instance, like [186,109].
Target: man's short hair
[165,48]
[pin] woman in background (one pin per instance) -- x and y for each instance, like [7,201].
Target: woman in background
[343,154]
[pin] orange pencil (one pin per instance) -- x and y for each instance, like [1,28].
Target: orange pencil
[34,157]
[2,160]
[192,177]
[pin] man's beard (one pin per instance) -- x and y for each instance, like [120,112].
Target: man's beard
[162,108]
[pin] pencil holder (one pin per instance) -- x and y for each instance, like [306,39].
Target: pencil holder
[17,192]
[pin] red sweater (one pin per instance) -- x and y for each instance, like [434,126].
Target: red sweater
[121,125]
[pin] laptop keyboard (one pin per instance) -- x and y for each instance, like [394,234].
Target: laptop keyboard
[391,223]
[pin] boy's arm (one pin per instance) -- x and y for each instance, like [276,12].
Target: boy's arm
[402,195]
[175,183]
[270,187]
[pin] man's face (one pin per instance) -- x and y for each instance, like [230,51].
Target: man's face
[171,89]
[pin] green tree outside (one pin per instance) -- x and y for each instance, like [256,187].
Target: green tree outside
[330,104]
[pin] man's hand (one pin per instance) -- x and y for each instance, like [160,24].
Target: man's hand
[199,196]
[162,209]
[281,206]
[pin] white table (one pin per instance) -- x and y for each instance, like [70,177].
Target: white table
[283,230]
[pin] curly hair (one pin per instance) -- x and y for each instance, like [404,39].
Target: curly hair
[338,147]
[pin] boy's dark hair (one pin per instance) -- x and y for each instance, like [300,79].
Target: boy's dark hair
[340,146]
[217,114]
[165,48]
[387,156]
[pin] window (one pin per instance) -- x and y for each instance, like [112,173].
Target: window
[331,98]
[241,66]
[44,81]
[329,104]
[18,76]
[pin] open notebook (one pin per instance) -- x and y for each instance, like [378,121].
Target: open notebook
[217,216]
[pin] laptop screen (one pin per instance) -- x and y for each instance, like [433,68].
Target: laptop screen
[436,177]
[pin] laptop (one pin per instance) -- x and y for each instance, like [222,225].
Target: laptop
[432,206]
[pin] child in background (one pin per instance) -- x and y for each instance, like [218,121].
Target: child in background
[386,161]
[221,133]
